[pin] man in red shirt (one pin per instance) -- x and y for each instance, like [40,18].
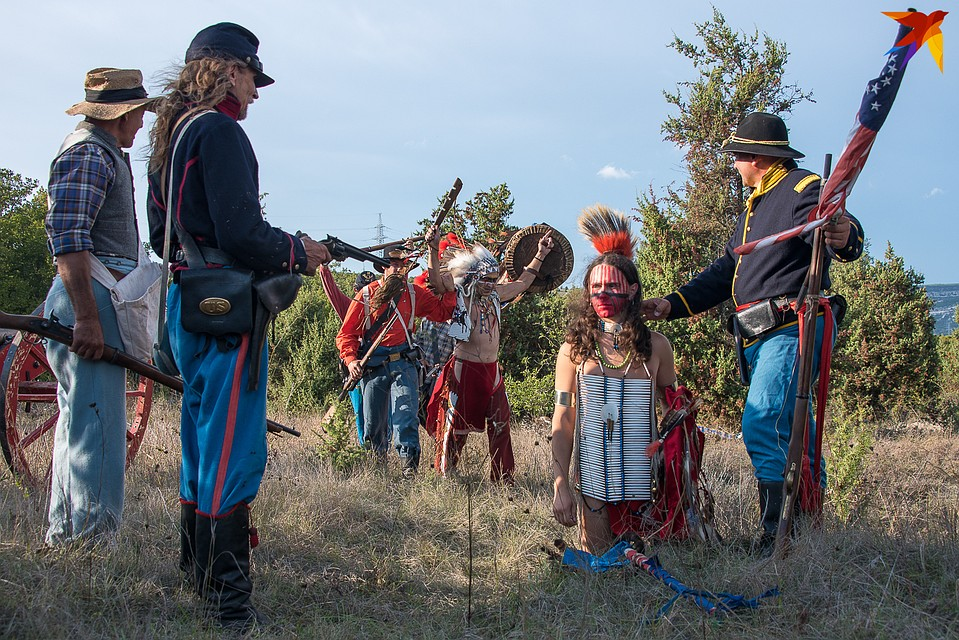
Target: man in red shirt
[389,380]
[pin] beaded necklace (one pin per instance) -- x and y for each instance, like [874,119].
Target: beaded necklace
[603,361]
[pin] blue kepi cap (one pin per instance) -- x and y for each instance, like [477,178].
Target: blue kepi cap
[229,39]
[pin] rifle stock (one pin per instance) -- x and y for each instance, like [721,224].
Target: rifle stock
[448,202]
[350,382]
[51,329]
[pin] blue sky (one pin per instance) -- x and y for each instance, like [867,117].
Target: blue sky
[378,106]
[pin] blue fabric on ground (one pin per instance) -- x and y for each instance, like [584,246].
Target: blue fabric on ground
[716,603]
[586,561]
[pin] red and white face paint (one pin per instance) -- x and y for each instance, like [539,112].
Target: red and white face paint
[608,290]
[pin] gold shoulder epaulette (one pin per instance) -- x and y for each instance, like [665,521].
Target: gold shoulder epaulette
[805,182]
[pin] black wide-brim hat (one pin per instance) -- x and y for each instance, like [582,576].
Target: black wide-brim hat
[763,134]
[232,40]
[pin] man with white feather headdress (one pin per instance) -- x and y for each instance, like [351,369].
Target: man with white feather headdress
[470,395]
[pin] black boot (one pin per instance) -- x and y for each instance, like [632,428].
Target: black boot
[411,464]
[223,550]
[188,564]
[770,510]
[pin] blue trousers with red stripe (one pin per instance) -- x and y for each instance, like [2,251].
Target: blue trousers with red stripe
[771,401]
[222,424]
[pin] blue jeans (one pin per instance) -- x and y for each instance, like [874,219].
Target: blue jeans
[222,423]
[390,397]
[89,446]
[356,399]
[771,401]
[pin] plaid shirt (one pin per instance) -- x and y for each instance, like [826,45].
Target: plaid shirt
[79,182]
[436,344]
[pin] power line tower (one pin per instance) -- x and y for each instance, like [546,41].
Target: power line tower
[380,230]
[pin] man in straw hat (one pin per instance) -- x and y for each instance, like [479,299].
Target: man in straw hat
[470,394]
[389,381]
[200,153]
[767,282]
[92,233]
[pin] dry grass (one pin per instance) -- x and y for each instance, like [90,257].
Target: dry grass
[368,554]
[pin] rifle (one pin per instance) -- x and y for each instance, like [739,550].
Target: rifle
[340,251]
[350,382]
[393,243]
[809,294]
[52,329]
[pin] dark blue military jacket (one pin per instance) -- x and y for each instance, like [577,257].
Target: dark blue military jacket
[216,198]
[783,200]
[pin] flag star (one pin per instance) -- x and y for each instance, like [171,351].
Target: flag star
[875,106]
[892,68]
[874,88]
[887,81]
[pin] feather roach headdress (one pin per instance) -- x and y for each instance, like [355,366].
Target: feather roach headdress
[467,266]
[608,230]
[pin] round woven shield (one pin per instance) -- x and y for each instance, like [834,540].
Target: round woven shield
[521,248]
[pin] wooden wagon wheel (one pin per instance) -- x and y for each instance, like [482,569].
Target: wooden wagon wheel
[28,410]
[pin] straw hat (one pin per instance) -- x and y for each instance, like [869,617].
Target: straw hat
[112,93]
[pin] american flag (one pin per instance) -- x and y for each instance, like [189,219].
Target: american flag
[876,103]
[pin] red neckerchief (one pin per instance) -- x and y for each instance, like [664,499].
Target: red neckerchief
[229,106]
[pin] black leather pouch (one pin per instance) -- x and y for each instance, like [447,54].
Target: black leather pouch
[216,301]
[757,319]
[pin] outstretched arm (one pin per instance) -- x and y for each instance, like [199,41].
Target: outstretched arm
[510,290]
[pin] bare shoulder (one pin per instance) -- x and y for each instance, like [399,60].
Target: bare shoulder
[660,343]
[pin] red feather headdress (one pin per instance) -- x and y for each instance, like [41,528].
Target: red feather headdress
[608,230]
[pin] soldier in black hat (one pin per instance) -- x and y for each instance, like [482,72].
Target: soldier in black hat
[204,183]
[767,281]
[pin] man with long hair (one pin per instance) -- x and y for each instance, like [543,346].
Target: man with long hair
[609,373]
[389,379]
[204,160]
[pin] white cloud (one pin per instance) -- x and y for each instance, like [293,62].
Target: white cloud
[609,172]
[936,191]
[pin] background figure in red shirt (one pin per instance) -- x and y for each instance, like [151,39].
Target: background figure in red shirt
[389,383]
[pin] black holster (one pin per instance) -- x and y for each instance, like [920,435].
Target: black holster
[733,327]
[273,294]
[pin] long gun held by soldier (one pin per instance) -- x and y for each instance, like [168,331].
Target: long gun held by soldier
[51,329]
[340,251]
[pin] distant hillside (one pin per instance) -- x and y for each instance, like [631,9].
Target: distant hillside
[944,297]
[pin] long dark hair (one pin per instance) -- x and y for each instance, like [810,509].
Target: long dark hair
[584,332]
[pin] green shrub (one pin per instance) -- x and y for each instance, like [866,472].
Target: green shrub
[850,443]
[304,376]
[338,443]
[530,396]
[948,348]
[885,363]
[533,330]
